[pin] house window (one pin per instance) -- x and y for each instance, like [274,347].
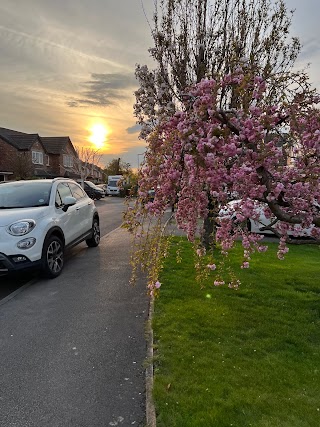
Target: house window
[37,157]
[48,160]
[67,161]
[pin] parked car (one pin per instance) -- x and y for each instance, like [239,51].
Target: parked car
[258,224]
[40,219]
[94,192]
[103,187]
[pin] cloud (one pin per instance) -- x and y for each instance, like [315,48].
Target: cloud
[134,129]
[103,90]
[309,49]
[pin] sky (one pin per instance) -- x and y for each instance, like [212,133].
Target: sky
[68,65]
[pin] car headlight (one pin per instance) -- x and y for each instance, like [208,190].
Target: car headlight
[20,228]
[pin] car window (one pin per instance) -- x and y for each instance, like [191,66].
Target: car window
[77,191]
[22,194]
[63,191]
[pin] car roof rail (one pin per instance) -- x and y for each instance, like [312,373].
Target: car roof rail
[58,178]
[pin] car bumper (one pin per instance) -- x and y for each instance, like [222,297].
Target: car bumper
[17,262]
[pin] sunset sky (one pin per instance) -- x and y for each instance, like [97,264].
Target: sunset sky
[68,65]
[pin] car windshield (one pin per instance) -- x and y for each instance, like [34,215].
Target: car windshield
[24,194]
[113,183]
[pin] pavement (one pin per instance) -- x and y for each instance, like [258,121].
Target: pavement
[73,350]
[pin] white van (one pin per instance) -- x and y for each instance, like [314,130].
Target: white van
[112,187]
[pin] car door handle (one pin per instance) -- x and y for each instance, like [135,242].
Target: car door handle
[77,209]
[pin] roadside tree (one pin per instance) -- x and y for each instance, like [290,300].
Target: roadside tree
[196,39]
[241,56]
[263,154]
[21,163]
[117,167]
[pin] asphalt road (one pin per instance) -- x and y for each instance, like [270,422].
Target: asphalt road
[110,210]
[72,349]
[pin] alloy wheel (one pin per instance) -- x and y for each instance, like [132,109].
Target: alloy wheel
[55,257]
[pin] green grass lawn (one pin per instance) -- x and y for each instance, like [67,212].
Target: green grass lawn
[246,357]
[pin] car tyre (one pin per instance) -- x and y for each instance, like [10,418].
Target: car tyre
[95,234]
[52,257]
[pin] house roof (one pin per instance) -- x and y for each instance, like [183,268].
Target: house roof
[55,144]
[9,132]
[24,141]
[19,140]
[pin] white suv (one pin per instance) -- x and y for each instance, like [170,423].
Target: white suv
[39,219]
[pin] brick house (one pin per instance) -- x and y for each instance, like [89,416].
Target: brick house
[22,155]
[95,173]
[63,156]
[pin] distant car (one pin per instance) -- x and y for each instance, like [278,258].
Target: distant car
[103,187]
[39,219]
[93,191]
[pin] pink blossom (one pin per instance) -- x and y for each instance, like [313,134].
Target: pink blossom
[245,265]
[218,282]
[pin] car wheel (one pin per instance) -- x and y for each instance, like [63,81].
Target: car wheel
[52,257]
[95,237]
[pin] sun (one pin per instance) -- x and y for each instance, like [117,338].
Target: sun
[98,135]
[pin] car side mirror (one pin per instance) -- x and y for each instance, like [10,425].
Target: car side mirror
[68,201]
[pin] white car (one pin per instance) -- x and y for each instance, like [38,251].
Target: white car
[39,219]
[258,224]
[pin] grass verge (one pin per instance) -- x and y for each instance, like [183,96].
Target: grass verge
[246,357]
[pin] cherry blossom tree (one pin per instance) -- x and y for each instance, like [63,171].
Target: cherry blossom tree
[224,116]
[264,155]
[196,39]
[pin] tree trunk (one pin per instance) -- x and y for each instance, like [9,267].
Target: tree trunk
[208,236]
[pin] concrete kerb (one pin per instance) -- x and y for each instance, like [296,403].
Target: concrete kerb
[150,408]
